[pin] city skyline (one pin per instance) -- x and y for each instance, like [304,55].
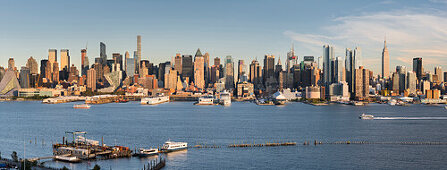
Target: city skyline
[233,38]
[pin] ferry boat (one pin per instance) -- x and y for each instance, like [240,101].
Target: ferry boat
[170,146]
[155,100]
[205,100]
[365,116]
[81,106]
[147,152]
[225,99]
[357,103]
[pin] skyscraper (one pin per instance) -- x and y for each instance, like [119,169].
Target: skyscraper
[385,62]
[130,67]
[102,53]
[328,54]
[84,62]
[126,56]
[138,58]
[229,73]
[91,79]
[24,77]
[291,59]
[255,73]
[65,60]
[269,67]
[339,70]
[206,58]
[199,72]
[241,70]
[438,72]
[32,65]
[178,63]
[417,67]
[187,70]
[52,56]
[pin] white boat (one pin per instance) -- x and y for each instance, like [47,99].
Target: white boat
[225,99]
[365,116]
[205,100]
[170,146]
[356,103]
[81,106]
[392,102]
[155,100]
[445,107]
[147,152]
[67,158]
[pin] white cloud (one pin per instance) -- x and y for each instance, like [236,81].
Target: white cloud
[408,34]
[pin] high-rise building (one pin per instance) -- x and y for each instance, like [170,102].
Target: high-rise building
[217,61]
[130,67]
[55,72]
[43,66]
[269,67]
[339,70]
[417,67]
[102,53]
[170,80]
[126,56]
[91,79]
[385,62]
[84,62]
[199,72]
[438,72]
[291,59]
[138,57]
[52,56]
[187,67]
[361,83]
[411,82]
[241,70]
[328,54]
[32,66]
[178,63]
[24,77]
[65,60]
[206,58]
[229,72]
[118,58]
[402,73]
[255,73]
[11,64]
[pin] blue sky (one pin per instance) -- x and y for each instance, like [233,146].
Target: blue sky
[243,29]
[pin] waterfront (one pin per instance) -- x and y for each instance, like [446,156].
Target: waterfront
[134,125]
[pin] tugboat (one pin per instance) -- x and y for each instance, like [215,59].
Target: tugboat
[365,116]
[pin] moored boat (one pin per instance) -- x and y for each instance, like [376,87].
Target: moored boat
[81,106]
[170,146]
[71,159]
[225,99]
[205,100]
[146,152]
[155,100]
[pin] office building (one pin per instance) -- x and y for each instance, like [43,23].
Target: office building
[178,63]
[417,67]
[138,57]
[328,54]
[385,62]
[24,77]
[269,68]
[229,73]
[187,67]
[91,79]
[102,54]
[32,65]
[199,72]
[65,60]
[438,72]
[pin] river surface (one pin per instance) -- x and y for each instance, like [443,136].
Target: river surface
[34,127]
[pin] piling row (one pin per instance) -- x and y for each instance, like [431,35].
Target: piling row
[376,143]
[262,144]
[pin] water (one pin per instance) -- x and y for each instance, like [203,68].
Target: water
[134,125]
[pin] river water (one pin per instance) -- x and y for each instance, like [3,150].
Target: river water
[34,127]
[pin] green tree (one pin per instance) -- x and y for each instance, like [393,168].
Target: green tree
[64,168]
[96,167]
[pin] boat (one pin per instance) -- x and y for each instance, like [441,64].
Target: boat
[205,100]
[71,159]
[81,106]
[170,146]
[356,103]
[366,116]
[155,100]
[445,107]
[225,98]
[146,152]
[392,102]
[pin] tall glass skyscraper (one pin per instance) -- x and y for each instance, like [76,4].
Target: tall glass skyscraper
[328,54]
[102,53]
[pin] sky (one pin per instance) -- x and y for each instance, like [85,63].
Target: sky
[245,30]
